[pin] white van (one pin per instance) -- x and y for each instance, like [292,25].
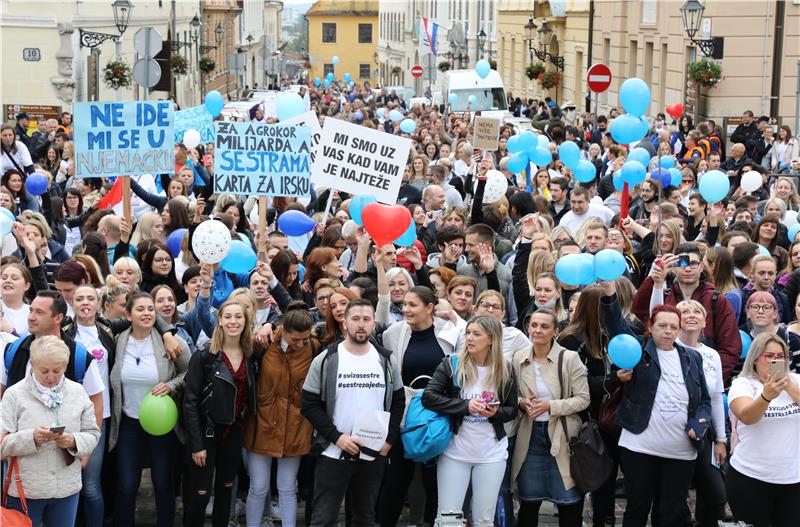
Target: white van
[490,93]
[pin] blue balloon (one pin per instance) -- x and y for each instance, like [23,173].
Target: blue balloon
[675,177]
[290,105]
[452,98]
[641,155]
[746,341]
[625,351]
[36,184]
[619,183]
[174,241]
[358,116]
[543,141]
[482,68]
[527,140]
[351,97]
[540,157]
[666,162]
[214,102]
[634,95]
[609,264]
[327,83]
[575,269]
[351,83]
[5,224]
[570,154]
[473,100]
[585,171]
[396,115]
[10,215]
[626,129]
[347,77]
[379,112]
[241,258]
[513,145]
[793,230]
[357,205]
[329,76]
[763,251]
[317,82]
[633,173]
[408,126]
[408,238]
[335,60]
[519,162]
[295,223]
[714,186]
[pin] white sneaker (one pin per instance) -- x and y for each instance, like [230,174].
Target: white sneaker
[210,506]
[239,508]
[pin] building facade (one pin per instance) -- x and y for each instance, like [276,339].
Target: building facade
[347,29]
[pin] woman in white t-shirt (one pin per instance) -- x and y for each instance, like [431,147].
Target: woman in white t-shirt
[15,281]
[479,396]
[763,480]
[15,154]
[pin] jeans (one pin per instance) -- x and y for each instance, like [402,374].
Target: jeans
[399,475]
[131,444]
[92,475]
[455,476]
[54,512]
[260,469]
[223,456]
[650,478]
[334,477]
[762,504]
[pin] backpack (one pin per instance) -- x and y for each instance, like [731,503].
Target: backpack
[427,433]
[80,358]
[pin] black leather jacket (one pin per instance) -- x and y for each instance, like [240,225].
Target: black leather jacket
[209,396]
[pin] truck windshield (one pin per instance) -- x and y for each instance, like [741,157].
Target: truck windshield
[488,99]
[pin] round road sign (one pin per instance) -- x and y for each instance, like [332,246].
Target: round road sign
[599,78]
[416,71]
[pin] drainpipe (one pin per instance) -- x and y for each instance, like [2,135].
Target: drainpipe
[777,56]
[765,62]
[589,53]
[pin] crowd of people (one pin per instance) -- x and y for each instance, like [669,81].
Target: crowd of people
[272,370]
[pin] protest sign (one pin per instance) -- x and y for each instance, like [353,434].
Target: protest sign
[358,160]
[124,138]
[310,121]
[370,430]
[198,118]
[261,159]
[487,132]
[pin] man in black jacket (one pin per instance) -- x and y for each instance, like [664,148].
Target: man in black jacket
[745,131]
[21,129]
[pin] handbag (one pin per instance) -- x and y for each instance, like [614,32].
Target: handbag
[12,517]
[590,465]
[608,413]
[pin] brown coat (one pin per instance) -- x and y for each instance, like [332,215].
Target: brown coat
[275,427]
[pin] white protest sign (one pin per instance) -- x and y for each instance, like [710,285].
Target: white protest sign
[261,159]
[486,134]
[371,429]
[310,121]
[358,160]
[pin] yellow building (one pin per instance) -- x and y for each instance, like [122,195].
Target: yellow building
[347,29]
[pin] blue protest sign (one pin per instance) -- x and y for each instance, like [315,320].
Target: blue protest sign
[261,159]
[124,138]
[198,118]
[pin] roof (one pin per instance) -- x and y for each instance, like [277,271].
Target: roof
[344,8]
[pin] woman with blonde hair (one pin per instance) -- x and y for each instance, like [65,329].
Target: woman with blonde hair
[493,304]
[128,272]
[149,227]
[476,390]
[113,297]
[220,384]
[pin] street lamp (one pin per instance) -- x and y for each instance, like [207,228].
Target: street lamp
[481,37]
[218,32]
[545,35]
[692,14]
[249,40]
[122,17]
[122,14]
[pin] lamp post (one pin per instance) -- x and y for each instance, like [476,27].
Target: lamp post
[195,34]
[122,16]
[481,39]
[530,35]
[218,35]
[545,35]
[692,15]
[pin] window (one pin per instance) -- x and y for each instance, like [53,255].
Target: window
[328,32]
[633,58]
[327,68]
[649,11]
[363,71]
[365,33]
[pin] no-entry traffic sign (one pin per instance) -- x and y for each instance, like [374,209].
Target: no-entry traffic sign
[416,71]
[599,78]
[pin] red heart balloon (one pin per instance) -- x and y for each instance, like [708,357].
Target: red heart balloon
[675,110]
[385,223]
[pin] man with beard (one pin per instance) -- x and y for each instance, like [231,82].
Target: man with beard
[351,378]
[648,199]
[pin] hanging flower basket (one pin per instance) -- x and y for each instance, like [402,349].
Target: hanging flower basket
[178,64]
[549,79]
[444,66]
[207,65]
[705,73]
[534,70]
[117,74]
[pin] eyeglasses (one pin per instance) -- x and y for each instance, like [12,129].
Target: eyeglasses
[323,298]
[614,236]
[694,264]
[773,356]
[494,307]
[762,308]
[162,259]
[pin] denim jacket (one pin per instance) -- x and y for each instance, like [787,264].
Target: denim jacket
[640,392]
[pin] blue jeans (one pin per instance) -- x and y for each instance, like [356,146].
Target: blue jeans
[131,444]
[55,512]
[92,492]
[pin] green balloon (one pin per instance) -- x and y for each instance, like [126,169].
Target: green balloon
[158,414]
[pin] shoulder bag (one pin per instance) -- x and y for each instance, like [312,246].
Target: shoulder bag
[589,462]
[12,517]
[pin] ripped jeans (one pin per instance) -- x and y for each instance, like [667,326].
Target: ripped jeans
[223,454]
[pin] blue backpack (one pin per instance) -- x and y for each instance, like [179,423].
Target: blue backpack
[80,358]
[427,433]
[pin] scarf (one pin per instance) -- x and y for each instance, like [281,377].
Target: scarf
[52,398]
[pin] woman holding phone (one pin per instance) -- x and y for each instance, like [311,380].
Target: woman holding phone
[763,480]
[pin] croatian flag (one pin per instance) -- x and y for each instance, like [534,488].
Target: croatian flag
[428,30]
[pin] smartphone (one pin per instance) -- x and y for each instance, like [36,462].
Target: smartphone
[58,429]
[493,403]
[777,369]
[683,260]
[476,152]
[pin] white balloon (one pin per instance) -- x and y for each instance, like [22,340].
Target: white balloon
[191,138]
[211,241]
[350,228]
[496,186]
[751,181]
[790,219]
